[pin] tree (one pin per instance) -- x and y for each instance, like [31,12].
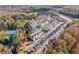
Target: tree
[15,39]
[61,46]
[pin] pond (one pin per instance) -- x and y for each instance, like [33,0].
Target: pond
[10,32]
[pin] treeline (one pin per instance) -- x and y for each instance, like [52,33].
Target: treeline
[14,21]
